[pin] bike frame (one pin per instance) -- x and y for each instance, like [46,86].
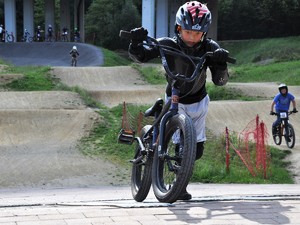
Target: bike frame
[284,122]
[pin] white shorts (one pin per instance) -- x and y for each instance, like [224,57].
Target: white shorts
[197,112]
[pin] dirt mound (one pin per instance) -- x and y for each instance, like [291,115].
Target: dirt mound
[111,85]
[39,132]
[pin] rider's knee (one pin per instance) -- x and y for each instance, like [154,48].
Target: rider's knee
[200,149]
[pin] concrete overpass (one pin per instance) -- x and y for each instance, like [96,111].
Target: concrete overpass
[28,15]
[158,16]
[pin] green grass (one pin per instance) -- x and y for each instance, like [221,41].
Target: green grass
[281,72]
[265,60]
[259,50]
[152,74]
[35,79]
[113,59]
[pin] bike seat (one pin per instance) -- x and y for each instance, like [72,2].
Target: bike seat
[156,107]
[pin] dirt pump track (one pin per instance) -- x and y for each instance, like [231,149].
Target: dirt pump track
[39,130]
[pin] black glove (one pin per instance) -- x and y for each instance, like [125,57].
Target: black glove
[295,110]
[272,113]
[220,55]
[138,35]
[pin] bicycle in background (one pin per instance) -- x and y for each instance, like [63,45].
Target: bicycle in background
[285,129]
[9,37]
[27,37]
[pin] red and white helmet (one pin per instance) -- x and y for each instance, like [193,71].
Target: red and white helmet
[193,16]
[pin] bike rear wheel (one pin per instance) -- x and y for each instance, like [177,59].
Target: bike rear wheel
[172,169]
[141,170]
[290,136]
[9,38]
[30,39]
[277,136]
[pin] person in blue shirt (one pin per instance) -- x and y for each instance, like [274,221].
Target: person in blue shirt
[282,103]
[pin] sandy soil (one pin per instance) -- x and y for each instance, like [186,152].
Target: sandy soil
[39,130]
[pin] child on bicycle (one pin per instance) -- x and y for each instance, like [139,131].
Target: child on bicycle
[38,34]
[191,26]
[74,53]
[50,32]
[282,103]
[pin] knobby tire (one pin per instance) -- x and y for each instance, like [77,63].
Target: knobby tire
[9,38]
[290,136]
[277,137]
[168,184]
[141,172]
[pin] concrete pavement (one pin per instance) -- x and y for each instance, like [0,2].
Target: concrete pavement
[211,204]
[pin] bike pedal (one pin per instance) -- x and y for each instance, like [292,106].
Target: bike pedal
[126,137]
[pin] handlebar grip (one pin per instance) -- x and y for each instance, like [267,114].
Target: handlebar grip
[231,60]
[125,34]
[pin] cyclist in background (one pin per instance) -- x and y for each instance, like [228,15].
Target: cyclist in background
[74,53]
[26,35]
[192,22]
[64,34]
[282,103]
[38,33]
[76,35]
[50,32]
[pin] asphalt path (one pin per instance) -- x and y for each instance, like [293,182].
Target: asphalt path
[49,54]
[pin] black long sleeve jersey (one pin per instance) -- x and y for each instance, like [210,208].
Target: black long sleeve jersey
[189,92]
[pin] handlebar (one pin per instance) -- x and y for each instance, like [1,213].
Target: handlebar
[163,49]
[289,113]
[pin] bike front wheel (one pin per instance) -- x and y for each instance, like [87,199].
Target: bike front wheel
[9,38]
[290,136]
[277,136]
[141,169]
[174,161]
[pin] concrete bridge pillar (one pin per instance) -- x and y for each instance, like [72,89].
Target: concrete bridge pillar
[10,16]
[49,15]
[28,16]
[65,16]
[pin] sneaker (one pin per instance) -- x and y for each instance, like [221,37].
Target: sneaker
[185,196]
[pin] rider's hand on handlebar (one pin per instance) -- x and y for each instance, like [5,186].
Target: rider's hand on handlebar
[295,110]
[272,113]
[220,55]
[138,35]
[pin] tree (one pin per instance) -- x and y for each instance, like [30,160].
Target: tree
[106,18]
[245,19]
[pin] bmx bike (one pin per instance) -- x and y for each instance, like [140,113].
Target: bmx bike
[9,37]
[285,129]
[27,37]
[166,149]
